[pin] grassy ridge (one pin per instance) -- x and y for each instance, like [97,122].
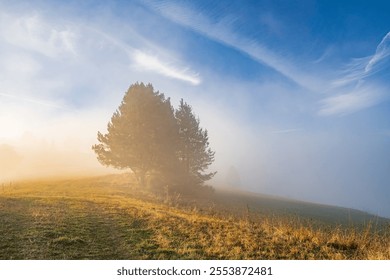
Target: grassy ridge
[110,218]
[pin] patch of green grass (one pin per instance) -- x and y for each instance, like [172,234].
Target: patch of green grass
[53,228]
[110,218]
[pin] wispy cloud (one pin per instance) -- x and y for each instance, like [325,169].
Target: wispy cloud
[151,61]
[382,51]
[328,52]
[223,32]
[354,91]
[343,104]
[360,68]
[353,72]
[33,33]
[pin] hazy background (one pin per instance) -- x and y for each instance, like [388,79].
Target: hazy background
[295,95]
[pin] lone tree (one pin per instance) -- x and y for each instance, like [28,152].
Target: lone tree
[194,153]
[148,137]
[142,134]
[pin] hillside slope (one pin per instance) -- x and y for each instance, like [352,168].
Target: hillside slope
[106,218]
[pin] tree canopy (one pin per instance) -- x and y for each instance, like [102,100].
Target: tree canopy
[147,136]
[194,152]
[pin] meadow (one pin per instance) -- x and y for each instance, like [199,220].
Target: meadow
[110,217]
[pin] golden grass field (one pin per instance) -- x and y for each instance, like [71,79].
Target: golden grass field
[109,217]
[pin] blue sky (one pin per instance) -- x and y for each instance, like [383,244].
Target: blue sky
[295,94]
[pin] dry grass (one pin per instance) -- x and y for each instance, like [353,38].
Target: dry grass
[105,218]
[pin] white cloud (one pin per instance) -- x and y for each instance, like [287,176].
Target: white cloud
[365,92]
[326,54]
[382,51]
[153,63]
[347,103]
[354,72]
[33,33]
[360,68]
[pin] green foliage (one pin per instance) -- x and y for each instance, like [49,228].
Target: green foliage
[142,134]
[146,135]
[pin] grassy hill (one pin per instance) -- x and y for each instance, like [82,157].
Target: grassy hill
[109,217]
